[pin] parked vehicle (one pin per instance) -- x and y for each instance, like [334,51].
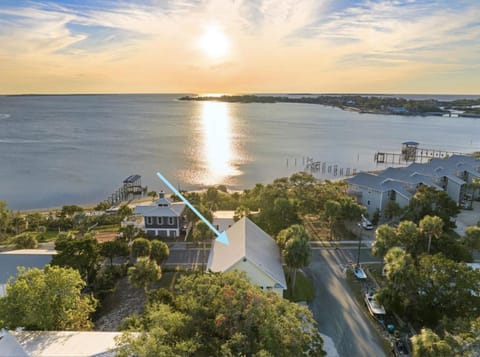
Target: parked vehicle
[359,272]
[366,224]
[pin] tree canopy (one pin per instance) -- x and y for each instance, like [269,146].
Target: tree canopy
[429,201]
[47,299]
[144,273]
[428,344]
[81,253]
[433,289]
[224,315]
[417,240]
[159,251]
[141,247]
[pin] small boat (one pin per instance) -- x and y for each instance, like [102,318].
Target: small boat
[376,310]
[359,273]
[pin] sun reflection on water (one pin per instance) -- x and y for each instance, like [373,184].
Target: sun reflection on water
[217,149]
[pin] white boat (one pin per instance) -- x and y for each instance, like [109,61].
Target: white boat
[374,308]
[359,273]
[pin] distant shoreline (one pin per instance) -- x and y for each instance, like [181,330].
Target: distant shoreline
[387,105]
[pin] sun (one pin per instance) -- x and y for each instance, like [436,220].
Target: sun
[214,42]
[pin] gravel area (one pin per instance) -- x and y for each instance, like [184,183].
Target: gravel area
[125,301]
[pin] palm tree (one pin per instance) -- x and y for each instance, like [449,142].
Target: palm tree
[333,210]
[431,226]
[145,272]
[297,254]
[292,232]
[159,251]
[472,237]
[428,344]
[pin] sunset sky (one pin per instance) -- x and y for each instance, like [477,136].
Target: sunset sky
[239,46]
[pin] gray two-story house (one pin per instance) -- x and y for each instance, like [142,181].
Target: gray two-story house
[163,218]
[454,175]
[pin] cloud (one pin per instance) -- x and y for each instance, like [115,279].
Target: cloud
[276,45]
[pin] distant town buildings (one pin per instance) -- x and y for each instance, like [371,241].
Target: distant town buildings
[453,175]
[252,251]
[163,218]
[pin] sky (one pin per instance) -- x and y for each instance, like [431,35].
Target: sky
[240,46]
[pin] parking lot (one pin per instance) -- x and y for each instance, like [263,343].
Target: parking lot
[467,218]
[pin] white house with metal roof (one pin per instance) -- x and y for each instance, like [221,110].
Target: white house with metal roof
[452,174]
[58,343]
[164,218]
[252,251]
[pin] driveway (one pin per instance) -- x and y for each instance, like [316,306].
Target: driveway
[337,313]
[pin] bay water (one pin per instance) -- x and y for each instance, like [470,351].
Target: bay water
[77,149]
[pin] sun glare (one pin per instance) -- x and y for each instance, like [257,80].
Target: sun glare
[214,42]
[218,150]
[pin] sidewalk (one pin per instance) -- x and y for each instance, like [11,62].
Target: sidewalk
[329,346]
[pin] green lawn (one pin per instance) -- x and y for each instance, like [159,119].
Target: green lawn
[303,289]
[49,236]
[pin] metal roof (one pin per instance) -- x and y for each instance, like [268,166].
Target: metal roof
[173,210]
[9,261]
[247,240]
[68,343]
[132,179]
[9,346]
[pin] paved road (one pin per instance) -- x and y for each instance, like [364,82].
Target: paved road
[187,257]
[338,314]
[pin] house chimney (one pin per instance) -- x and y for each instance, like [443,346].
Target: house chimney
[161,194]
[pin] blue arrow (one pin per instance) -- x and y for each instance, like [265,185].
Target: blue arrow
[221,237]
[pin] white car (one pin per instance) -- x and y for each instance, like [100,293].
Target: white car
[366,224]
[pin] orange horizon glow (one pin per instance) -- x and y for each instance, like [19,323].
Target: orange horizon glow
[279,46]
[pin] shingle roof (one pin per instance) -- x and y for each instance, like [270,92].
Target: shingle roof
[398,187]
[366,179]
[247,240]
[416,173]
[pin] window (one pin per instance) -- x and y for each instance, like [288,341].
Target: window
[159,220]
[149,220]
[170,221]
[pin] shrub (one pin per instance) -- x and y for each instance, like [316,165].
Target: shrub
[25,241]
